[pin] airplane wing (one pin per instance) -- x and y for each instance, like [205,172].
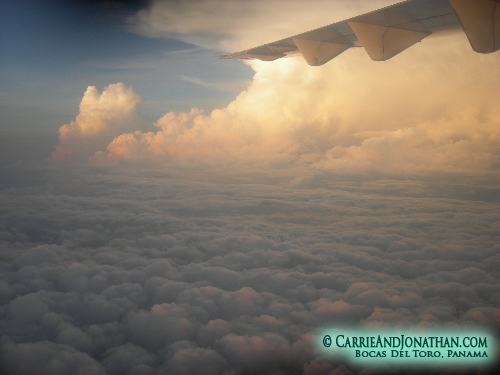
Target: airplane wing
[388,31]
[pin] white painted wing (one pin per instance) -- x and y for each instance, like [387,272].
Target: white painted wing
[388,31]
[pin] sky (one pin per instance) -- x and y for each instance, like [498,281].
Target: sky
[164,211]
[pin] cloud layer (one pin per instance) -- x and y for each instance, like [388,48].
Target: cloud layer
[159,272]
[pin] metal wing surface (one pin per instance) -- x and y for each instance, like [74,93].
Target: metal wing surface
[386,32]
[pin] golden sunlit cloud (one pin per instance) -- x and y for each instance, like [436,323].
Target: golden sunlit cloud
[430,109]
[102,117]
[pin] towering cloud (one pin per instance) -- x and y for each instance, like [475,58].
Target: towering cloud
[102,117]
[431,109]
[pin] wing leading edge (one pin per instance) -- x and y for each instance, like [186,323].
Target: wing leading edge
[388,31]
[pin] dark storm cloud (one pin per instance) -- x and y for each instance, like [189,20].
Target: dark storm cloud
[149,273]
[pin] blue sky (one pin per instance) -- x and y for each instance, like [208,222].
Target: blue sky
[52,50]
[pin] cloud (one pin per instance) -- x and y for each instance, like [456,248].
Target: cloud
[152,271]
[241,24]
[413,115]
[428,111]
[227,86]
[187,358]
[45,357]
[102,117]
[341,194]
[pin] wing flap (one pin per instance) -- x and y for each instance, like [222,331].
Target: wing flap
[481,22]
[383,42]
[317,53]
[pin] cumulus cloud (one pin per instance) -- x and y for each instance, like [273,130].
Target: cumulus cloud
[155,272]
[102,117]
[430,110]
